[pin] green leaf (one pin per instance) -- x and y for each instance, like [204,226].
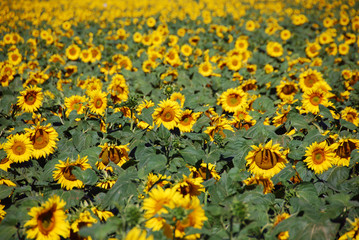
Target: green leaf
[88,176]
[5,191]
[347,124]
[191,155]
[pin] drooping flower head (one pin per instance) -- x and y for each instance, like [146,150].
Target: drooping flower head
[343,149]
[113,153]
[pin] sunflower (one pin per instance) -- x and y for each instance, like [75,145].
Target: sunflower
[242,119]
[234,62]
[30,99]
[287,89]
[43,139]
[106,183]
[250,25]
[353,233]
[7,182]
[266,161]
[308,78]
[172,58]
[343,49]
[48,221]
[187,120]
[186,50]
[285,34]
[351,115]
[266,182]
[179,97]
[250,84]
[312,98]
[319,157]
[156,180]
[15,57]
[118,89]
[205,69]
[274,49]
[18,148]
[63,172]
[84,220]
[98,102]
[167,113]
[278,219]
[218,124]
[232,100]
[343,149]
[115,154]
[85,55]
[190,186]
[144,104]
[75,102]
[2,212]
[312,49]
[138,234]
[102,215]
[5,164]
[205,171]
[73,52]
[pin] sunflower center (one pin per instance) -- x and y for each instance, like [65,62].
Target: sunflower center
[167,115]
[288,89]
[119,89]
[310,80]
[72,51]
[115,155]
[351,117]
[14,57]
[40,139]
[233,100]
[318,156]
[186,120]
[315,100]
[266,159]
[76,106]
[313,49]
[68,173]
[344,150]
[98,103]
[276,49]
[249,86]
[46,221]
[30,98]
[18,148]
[205,68]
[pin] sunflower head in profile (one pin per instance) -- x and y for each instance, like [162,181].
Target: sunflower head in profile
[113,153]
[232,100]
[267,160]
[48,221]
[167,113]
[205,171]
[84,220]
[190,186]
[43,139]
[319,157]
[18,148]
[30,99]
[266,182]
[63,172]
[343,149]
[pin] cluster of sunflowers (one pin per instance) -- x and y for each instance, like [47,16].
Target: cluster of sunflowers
[179,119]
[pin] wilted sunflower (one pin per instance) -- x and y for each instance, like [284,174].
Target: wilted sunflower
[187,120]
[98,102]
[312,98]
[113,153]
[232,100]
[18,148]
[190,186]
[43,139]
[266,161]
[167,113]
[267,183]
[48,221]
[63,172]
[30,99]
[138,234]
[320,157]
[75,102]
[343,149]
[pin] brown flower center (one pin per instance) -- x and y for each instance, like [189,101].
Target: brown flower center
[19,148]
[266,159]
[344,150]
[310,80]
[315,100]
[72,51]
[98,103]
[168,115]
[318,156]
[186,120]
[30,98]
[40,139]
[288,89]
[67,172]
[46,221]
[233,99]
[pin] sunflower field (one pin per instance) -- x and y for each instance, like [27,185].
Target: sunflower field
[179,119]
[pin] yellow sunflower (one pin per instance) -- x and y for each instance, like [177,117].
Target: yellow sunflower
[232,100]
[30,99]
[84,220]
[18,148]
[266,161]
[113,153]
[167,113]
[85,55]
[205,69]
[7,182]
[351,115]
[106,183]
[267,183]
[186,50]
[48,221]
[156,179]
[179,97]
[75,102]
[15,57]
[187,120]
[205,171]
[312,98]
[274,49]
[319,157]
[5,164]
[190,185]
[102,215]
[343,149]
[73,52]
[234,62]
[63,172]
[353,233]
[43,139]
[98,102]
[2,212]
[218,124]
[312,49]
[118,89]
[138,234]
[286,90]
[144,104]
[308,78]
